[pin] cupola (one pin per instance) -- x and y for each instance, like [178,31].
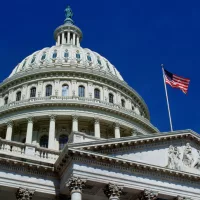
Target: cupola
[68,33]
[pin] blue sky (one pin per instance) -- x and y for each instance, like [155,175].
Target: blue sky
[136,36]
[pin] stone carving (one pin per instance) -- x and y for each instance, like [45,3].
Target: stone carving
[184,158]
[197,164]
[187,156]
[174,158]
[148,195]
[24,194]
[112,190]
[75,184]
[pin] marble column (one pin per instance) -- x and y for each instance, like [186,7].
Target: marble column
[9,130]
[113,191]
[63,38]
[117,130]
[75,185]
[74,38]
[29,133]
[148,195]
[58,40]
[78,41]
[68,37]
[24,194]
[74,123]
[52,127]
[97,128]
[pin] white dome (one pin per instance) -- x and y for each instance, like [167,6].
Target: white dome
[65,55]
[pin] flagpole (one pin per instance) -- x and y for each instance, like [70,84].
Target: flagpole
[170,119]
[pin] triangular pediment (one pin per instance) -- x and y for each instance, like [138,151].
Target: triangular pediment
[176,151]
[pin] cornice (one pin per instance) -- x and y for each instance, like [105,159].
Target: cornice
[63,70]
[77,102]
[143,168]
[106,145]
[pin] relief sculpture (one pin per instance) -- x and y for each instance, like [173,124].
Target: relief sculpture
[184,158]
[187,156]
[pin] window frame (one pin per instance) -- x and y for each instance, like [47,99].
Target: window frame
[18,97]
[81,91]
[109,97]
[67,91]
[31,92]
[97,93]
[47,93]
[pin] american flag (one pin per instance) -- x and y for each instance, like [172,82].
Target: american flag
[176,81]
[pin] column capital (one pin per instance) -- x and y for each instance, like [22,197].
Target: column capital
[117,125]
[75,184]
[30,119]
[148,195]
[74,117]
[96,120]
[182,198]
[9,123]
[52,117]
[24,194]
[113,190]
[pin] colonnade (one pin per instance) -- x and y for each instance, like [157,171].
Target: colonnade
[52,129]
[111,191]
[66,38]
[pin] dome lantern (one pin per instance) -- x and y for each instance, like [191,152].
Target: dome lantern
[68,33]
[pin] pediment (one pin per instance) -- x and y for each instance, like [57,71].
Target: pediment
[177,151]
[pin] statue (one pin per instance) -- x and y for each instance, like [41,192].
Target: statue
[187,155]
[174,158]
[69,14]
[197,165]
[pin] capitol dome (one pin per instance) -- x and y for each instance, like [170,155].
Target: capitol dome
[67,93]
[66,55]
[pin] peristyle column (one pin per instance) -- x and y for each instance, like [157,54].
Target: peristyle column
[29,132]
[75,185]
[9,130]
[63,38]
[97,128]
[74,123]
[78,41]
[58,40]
[74,38]
[117,130]
[113,191]
[68,37]
[52,126]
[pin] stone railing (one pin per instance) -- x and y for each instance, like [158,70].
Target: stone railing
[71,99]
[31,152]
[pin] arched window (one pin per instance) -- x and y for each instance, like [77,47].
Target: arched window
[48,90]
[54,56]
[63,139]
[33,92]
[66,54]
[44,141]
[33,59]
[89,57]
[81,91]
[6,101]
[123,103]
[43,56]
[18,96]
[96,93]
[111,98]
[65,90]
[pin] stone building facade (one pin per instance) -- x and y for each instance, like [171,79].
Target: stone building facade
[72,128]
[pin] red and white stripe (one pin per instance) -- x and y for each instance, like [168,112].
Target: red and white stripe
[178,82]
